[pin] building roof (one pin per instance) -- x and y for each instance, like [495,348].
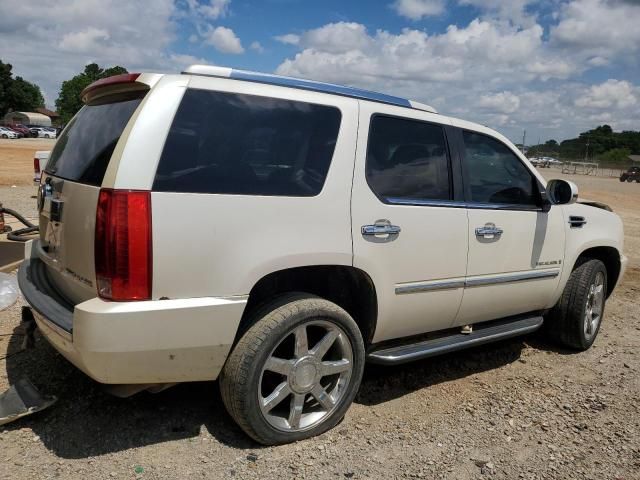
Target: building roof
[47,112]
[225,72]
[634,158]
[31,118]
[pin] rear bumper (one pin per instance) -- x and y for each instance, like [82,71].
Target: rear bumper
[156,341]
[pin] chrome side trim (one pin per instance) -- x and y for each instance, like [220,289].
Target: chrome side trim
[453,283]
[518,277]
[418,202]
[429,286]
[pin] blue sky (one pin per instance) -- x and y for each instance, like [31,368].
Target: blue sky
[552,67]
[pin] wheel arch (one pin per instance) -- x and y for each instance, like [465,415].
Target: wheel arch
[347,286]
[610,256]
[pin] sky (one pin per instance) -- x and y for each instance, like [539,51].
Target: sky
[551,67]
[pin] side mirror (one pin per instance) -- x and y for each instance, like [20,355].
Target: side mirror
[562,192]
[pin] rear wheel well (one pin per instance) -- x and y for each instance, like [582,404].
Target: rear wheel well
[348,287]
[611,259]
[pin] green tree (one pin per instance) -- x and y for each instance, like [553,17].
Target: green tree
[24,96]
[69,101]
[616,155]
[17,93]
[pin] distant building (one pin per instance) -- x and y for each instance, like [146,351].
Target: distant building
[634,158]
[27,118]
[49,113]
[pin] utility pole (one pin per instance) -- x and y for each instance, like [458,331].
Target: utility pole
[524,137]
[586,151]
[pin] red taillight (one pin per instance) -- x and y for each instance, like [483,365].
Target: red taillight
[123,245]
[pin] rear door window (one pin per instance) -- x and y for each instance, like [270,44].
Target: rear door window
[83,151]
[407,160]
[231,143]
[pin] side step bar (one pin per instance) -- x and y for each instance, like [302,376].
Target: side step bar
[496,331]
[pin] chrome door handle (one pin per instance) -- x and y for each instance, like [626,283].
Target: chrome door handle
[489,231]
[380,229]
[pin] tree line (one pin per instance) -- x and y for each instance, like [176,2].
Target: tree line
[17,94]
[600,144]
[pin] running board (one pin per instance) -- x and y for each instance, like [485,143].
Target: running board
[457,341]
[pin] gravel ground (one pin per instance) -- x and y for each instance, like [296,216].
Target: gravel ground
[22,199]
[516,409]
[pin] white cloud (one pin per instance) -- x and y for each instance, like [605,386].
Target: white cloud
[483,51]
[84,40]
[601,28]
[256,47]
[511,10]
[224,40]
[610,94]
[58,39]
[214,9]
[503,102]
[211,9]
[417,9]
[288,39]
[490,71]
[337,37]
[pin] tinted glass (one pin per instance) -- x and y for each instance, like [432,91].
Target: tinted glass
[407,159]
[496,174]
[83,151]
[244,144]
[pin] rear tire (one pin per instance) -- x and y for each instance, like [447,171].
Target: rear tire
[295,372]
[574,322]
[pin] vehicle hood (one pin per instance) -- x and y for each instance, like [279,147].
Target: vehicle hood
[595,204]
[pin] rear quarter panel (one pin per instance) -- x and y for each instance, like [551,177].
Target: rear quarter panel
[221,245]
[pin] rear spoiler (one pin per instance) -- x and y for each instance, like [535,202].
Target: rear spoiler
[125,82]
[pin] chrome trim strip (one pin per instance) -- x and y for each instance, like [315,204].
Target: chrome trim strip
[460,204]
[429,286]
[519,277]
[453,283]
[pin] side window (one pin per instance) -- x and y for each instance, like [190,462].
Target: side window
[496,174]
[244,144]
[407,159]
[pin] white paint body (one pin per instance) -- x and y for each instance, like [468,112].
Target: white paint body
[209,250]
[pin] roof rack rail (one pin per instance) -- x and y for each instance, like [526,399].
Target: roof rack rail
[226,72]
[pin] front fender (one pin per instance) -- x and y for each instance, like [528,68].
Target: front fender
[602,229]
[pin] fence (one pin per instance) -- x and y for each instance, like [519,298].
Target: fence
[589,168]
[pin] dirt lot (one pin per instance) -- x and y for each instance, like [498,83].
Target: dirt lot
[16,159]
[517,409]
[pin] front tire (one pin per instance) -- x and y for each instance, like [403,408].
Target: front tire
[295,371]
[574,322]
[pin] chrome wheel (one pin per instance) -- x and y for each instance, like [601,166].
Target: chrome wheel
[300,386]
[594,306]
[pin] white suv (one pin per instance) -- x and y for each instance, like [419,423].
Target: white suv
[277,233]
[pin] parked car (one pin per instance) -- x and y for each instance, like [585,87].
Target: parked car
[19,128]
[18,133]
[40,159]
[632,174]
[544,162]
[43,132]
[7,133]
[278,234]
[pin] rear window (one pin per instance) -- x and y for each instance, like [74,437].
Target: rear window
[244,144]
[83,151]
